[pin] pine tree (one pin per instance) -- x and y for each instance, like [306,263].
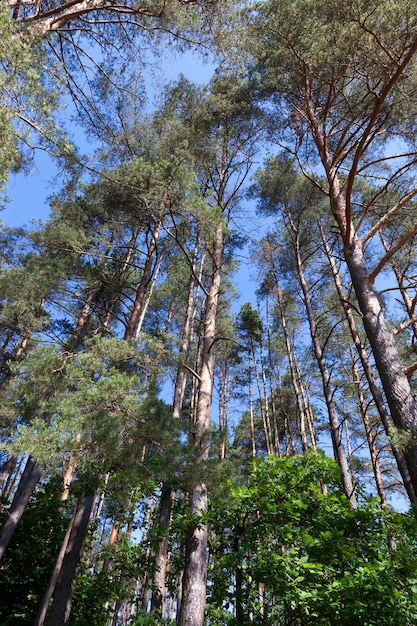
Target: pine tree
[341,100]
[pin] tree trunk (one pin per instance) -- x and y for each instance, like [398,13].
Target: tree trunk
[264,396]
[61,605]
[28,481]
[9,473]
[252,423]
[161,550]
[393,377]
[195,571]
[161,556]
[293,371]
[339,449]
[271,381]
[43,607]
[261,403]
[373,451]
[135,316]
[373,387]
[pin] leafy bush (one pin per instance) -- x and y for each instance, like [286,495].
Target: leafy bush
[291,550]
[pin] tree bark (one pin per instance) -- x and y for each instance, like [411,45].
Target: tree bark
[373,387]
[261,400]
[393,377]
[293,370]
[28,481]
[398,392]
[43,607]
[271,381]
[9,473]
[135,315]
[161,556]
[370,437]
[193,600]
[409,303]
[61,605]
[161,550]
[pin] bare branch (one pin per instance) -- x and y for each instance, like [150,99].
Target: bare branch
[411,369]
[384,219]
[397,246]
[364,140]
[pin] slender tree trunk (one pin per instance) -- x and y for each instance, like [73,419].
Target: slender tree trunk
[135,316]
[264,396]
[369,434]
[271,381]
[224,382]
[308,409]
[338,446]
[84,315]
[43,607]
[28,481]
[61,604]
[291,358]
[252,423]
[261,401]
[166,499]
[113,541]
[186,335]
[161,556]
[148,298]
[195,571]
[147,578]
[290,447]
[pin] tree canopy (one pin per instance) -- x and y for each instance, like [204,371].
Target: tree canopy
[208,351]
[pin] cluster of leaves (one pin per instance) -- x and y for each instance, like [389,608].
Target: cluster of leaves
[91,404]
[13,59]
[29,96]
[27,567]
[292,530]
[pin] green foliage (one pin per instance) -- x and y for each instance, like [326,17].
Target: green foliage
[29,97]
[13,57]
[91,404]
[249,323]
[145,619]
[95,592]
[321,561]
[31,555]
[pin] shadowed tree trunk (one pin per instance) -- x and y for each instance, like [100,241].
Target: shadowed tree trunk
[43,607]
[61,605]
[30,477]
